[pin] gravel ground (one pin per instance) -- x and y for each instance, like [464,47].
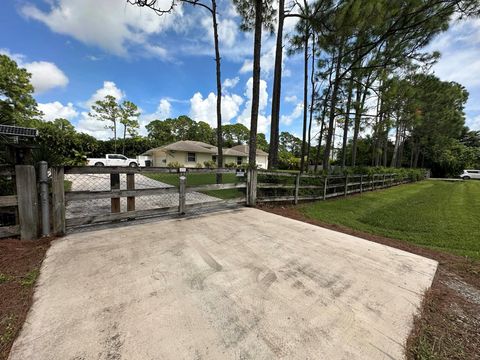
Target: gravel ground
[101,182]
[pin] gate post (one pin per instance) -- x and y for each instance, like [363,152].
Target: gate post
[181,191]
[58,201]
[44,200]
[251,187]
[325,184]
[27,196]
[297,187]
[131,186]
[115,185]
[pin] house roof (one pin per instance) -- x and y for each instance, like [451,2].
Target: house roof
[186,145]
[244,149]
[201,147]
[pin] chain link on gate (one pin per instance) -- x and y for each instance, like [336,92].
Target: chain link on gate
[102,182]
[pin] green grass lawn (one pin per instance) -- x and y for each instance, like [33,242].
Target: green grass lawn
[437,214]
[204,179]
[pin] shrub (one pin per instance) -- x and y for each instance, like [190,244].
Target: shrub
[198,165]
[230,165]
[210,164]
[174,164]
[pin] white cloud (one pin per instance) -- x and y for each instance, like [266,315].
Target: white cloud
[112,25]
[206,109]
[459,53]
[473,123]
[267,63]
[263,120]
[295,114]
[291,99]
[94,127]
[56,109]
[109,88]
[231,83]
[45,75]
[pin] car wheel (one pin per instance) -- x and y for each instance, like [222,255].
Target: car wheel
[466,178]
[132,164]
[99,164]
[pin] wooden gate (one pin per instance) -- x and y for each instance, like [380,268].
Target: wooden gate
[92,195]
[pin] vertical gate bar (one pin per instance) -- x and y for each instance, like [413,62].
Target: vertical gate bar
[115,185]
[131,186]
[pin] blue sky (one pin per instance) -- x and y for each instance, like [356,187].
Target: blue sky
[81,50]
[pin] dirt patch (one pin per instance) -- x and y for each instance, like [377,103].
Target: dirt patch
[448,326]
[20,263]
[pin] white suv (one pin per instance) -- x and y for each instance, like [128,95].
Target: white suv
[470,174]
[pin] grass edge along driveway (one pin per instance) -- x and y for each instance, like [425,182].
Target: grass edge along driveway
[436,214]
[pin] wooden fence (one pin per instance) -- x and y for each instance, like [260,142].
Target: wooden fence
[22,202]
[284,186]
[21,195]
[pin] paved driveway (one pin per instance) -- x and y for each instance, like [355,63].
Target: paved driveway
[241,284]
[101,182]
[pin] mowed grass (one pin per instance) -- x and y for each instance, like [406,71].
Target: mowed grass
[203,179]
[436,214]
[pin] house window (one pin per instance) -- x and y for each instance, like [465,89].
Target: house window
[239,160]
[191,157]
[214,158]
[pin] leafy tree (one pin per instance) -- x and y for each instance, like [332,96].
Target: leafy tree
[129,119]
[107,110]
[17,106]
[235,134]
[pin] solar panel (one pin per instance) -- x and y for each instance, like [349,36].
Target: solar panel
[18,131]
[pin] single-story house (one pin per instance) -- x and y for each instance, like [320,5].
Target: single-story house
[190,153]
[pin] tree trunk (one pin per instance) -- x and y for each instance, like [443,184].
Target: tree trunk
[219,92]
[257,46]
[276,93]
[312,100]
[347,122]
[115,135]
[305,101]
[396,147]
[124,137]
[333,103]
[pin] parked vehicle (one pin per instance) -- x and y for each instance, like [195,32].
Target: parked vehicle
[470,174]
[113,160]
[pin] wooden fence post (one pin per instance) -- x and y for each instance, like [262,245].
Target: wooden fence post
[383,183]
[361,184]
[115,185]
[131,186]
[346,186]
[58,201]
[297,186]
[325,182]
[27,196]
[252,187]
[181,192]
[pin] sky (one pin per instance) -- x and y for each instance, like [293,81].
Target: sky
[79,51]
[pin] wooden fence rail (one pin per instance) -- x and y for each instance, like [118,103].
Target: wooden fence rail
[331,186]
